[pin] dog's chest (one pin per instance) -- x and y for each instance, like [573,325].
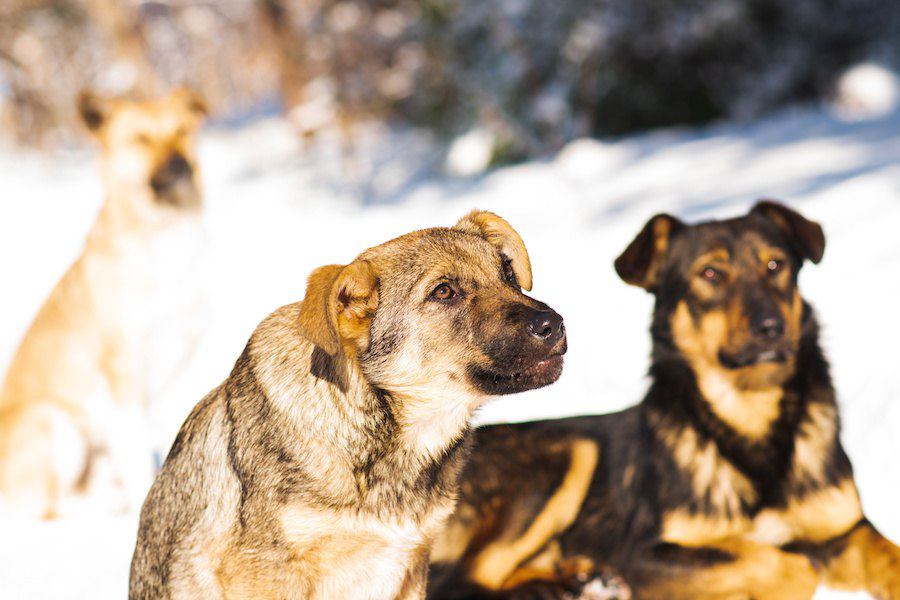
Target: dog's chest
[172,299]
[354,556]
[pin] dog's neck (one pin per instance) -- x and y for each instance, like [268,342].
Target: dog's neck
[308,398]
[763,446]
[133,209]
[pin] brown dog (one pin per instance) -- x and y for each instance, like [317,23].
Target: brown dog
[327,461]
[727,481]
[113,329]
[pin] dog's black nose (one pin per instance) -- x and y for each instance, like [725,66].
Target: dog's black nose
[177,166]
[547,325]
[770,327]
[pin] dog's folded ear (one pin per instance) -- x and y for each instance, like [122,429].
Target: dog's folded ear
[92,109]
[806,236]
[339,304]
[639,264]
[498,232]
[191,100]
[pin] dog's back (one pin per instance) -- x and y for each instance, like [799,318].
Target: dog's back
[179,541]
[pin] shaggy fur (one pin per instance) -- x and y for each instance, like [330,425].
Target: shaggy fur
[326,463]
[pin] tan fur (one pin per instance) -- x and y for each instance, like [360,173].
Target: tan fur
[766,572]
[455,537]
[817,517]
[817,433]
[494,564]
[112,332]
[867,562]
[699,530]
[499,232]
[713,477]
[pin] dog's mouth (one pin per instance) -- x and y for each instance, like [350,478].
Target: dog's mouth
[539,374]
[181,192]
[750,357]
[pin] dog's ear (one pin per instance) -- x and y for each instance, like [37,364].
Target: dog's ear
[806,236]
[191,100]
[640,262]
[93,110]
[499,233]
[339,304]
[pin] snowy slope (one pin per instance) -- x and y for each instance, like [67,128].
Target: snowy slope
[274,215]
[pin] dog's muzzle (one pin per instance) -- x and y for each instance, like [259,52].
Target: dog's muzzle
[537,359]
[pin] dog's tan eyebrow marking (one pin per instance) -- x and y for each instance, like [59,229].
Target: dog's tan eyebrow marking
[718,255]
[766,252]
[496,562]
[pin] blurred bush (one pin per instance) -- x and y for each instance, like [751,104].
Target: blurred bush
[533,73]
[51,49]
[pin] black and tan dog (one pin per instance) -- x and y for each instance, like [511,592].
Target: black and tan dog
[326,463]
[727,481]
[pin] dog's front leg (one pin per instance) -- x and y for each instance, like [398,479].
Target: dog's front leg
[726,570]
[862,559]
[414,583]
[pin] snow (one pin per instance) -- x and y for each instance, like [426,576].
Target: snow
[276,213]
[865,91]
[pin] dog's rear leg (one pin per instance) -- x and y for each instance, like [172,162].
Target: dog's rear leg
[862,559]
[728,570]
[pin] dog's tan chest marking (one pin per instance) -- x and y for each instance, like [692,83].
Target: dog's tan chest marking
[749,412]
[493,565]
[355,555]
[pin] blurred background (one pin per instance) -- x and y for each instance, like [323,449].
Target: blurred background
[337,125]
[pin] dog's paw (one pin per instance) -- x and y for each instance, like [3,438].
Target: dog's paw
[578,584]
[605,587]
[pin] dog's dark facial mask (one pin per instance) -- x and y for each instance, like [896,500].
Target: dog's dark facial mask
[726,291]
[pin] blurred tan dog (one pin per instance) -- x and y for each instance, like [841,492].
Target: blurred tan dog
[113,330]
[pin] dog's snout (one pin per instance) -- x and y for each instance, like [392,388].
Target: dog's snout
[547,325]
[174,169]
[177,166]
[769,326]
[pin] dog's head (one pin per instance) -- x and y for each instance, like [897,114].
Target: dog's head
[439,314]
[149,145]
[726,291]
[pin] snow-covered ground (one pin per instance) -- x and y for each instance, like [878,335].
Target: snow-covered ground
[276,213]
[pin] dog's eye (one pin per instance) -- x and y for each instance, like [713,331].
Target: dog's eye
[775,266]
[712,274]
[508,272]
[443,292]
